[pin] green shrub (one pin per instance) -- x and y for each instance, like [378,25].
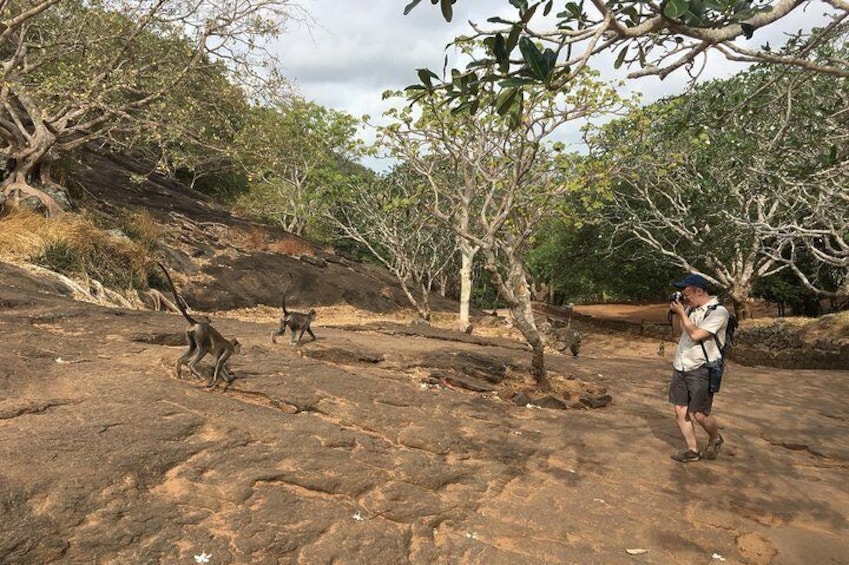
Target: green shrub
[60,256]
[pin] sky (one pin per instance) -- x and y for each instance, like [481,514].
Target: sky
[348,52]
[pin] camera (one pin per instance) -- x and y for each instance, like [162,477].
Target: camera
[676,296]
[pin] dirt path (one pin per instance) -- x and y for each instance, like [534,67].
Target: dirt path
[336,452]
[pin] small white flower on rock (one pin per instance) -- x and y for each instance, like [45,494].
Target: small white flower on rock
[203,557]
[718,557]
[472,535]
[357,516]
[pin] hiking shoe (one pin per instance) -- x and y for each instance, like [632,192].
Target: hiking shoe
[712,448]
[686,456]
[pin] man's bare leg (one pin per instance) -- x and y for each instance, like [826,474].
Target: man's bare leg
[685,424]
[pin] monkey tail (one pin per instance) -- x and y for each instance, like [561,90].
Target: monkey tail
[179,301]
[283,296]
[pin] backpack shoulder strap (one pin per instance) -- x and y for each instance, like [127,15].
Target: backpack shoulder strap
[708,310]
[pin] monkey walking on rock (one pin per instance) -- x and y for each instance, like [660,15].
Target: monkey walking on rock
[295,321]
[203,339]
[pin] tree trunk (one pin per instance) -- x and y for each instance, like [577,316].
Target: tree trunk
[422,306]
[467,256]
[516,292]
[523,317]
[741,300]
[30,162]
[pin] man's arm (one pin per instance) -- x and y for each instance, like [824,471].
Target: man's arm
[696,333]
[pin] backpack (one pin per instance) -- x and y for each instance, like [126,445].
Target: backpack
[730,328]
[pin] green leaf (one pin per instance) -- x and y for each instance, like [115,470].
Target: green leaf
[534,58]
[426,76]
[499,48]
[514,82]
[410,6]
[459,109]
[620,58]
[526,17]
[572,8]
[675,9]
[550,58]
[513,38]
[505,100]
[447,10]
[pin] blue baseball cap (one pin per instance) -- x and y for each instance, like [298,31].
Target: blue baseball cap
[693,280]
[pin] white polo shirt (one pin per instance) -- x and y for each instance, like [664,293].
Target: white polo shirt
[689,355]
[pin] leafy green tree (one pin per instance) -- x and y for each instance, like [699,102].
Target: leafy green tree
[699,178]
[584,262]
[810,141]
[296,155]
[542,46]
[678,186]
[74,71]
[783,290]
[390,218]
[494,176]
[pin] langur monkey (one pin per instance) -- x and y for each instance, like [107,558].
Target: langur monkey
[203,339]
[295,321]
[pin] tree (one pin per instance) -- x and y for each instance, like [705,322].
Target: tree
[294,154]
[698,178]
[74,72]
[659,38]
[810,137]
[584,261]
[390,217]
[493,176]
[680,195]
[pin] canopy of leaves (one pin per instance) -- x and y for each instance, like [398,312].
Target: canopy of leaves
[548,43]
[168,75]
[298,156]
[584,263]
[698,177]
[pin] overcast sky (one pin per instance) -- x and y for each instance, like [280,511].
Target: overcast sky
[354,50]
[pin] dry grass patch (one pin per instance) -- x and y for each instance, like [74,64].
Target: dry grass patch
[258,239]
[72,245]
[25,233]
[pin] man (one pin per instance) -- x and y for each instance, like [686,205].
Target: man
[688,391]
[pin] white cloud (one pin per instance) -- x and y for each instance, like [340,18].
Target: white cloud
[357,49]
[354,50]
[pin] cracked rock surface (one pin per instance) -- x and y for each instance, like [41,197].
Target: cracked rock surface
[348,450]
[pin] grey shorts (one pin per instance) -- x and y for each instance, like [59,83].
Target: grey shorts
[690,389]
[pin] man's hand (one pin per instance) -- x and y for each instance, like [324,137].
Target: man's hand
[678,308]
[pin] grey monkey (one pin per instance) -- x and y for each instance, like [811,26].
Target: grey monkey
[295,321]
[203,339]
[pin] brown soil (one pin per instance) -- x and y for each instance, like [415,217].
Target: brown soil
[365,446]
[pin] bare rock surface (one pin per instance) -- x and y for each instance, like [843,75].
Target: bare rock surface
[355,449]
